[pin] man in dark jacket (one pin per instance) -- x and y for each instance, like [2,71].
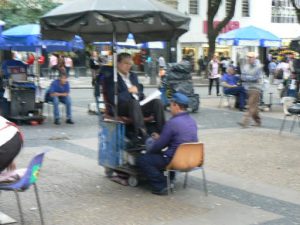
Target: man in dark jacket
[130,92]
[181,128]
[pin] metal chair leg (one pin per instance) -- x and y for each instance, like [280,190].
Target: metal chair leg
[167,174]
[185,179]
[19,207]
[293,124]
[204,182]
[39,203]
[229,101]
[221,101]
[282,124]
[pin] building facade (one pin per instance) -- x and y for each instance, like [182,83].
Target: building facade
[276,16]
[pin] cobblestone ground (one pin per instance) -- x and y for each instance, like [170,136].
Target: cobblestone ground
[253,176]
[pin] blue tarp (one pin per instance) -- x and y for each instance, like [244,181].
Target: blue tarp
[130,43]
[28,38]
[249,36]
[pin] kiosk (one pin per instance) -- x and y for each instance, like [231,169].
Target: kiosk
[19,98]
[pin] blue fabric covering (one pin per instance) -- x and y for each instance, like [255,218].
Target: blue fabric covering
[28,38]
[251,33]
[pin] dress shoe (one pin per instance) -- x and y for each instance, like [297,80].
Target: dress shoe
[138,141]
[163,191]
[243,110]
[69,121]
[56,122]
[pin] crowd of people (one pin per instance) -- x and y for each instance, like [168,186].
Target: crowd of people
[244,82]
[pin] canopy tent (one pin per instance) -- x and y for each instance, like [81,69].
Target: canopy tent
[153,45]
[28,38]
[130,43]
[147,20]
[249,36]
[107,20]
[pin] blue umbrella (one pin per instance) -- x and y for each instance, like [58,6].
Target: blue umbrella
[249,36]
[28,38]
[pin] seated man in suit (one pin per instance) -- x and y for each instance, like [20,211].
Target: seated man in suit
[231,84]
[129,94]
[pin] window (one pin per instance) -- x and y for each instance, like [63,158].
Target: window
[283,11]
[194,7]
[245,8]
[228,6]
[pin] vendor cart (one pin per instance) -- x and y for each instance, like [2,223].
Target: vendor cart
[146,20]
[19,101]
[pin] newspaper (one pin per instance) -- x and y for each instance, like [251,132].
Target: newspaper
[152,96]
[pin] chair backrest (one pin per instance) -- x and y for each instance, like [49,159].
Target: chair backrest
[31,174]
[187,157]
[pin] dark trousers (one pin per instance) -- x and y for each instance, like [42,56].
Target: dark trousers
[211,84]
[133,110]
[10,150]
[152,166]
[240,92]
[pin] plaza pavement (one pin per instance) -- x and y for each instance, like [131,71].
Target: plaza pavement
[253,176]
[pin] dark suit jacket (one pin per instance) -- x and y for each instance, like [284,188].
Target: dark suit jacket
[123,93]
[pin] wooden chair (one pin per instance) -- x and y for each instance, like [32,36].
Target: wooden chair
[188,157]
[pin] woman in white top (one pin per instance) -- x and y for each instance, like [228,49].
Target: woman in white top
[285,67]
[10,144]
[214,74]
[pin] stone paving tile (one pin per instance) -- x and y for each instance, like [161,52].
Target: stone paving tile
[74,191]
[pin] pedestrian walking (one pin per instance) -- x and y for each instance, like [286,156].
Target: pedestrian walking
[251,77]
[68,65]
[95,64]
[214,74]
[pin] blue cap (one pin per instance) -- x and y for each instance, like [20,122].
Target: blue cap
[180,99]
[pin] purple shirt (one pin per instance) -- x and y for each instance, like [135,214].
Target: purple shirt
[181,128]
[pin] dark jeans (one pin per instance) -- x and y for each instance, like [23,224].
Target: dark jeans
[152,166]
[133,110]
[10,150]
[240,92]
[211,84]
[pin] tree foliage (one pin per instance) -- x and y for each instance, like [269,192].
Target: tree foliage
[16,12]
[213,31]
[297,8]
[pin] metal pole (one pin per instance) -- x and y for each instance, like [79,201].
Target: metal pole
[39,203]
[153,72]
[19,207]
[114,46]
